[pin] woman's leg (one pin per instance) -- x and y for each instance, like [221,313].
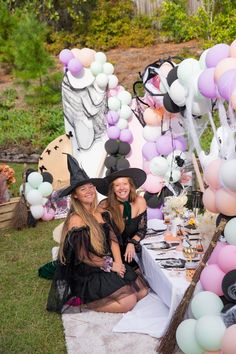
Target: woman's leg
[121,305]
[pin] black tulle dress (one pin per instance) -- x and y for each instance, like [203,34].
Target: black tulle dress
[80,277]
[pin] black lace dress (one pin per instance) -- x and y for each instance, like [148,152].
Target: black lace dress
[81,277]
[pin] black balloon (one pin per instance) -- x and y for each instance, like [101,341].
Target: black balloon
[169,105]
[111,146]
[110,162]
[152,200]
[122,163]
[124,148]
[172,75]
[47,177]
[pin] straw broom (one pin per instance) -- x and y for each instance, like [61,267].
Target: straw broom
[20,214]
[167,343]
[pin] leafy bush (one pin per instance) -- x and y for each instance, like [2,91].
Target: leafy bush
[8,98]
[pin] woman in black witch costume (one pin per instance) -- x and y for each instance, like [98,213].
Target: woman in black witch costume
[128,209]
[90,265]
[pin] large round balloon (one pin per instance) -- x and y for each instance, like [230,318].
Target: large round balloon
[206,303]
[228,340]
[228,175]
[209,332]
[230,231]
[211,279]
[216,54]
[186,339]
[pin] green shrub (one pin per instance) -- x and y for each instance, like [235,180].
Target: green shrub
[8,98]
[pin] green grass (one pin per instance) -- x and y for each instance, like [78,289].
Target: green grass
[26,327]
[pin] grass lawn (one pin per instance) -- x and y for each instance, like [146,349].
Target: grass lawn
[26,327]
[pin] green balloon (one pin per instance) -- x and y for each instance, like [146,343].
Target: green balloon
[209,332]
[206,303]
[185,336]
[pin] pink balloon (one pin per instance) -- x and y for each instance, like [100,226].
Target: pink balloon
[214,256]
[75,66]
[113,132]
[126,136]
[227,83]
[211,279]
[211,174]
[153,184]
[226,259]
[228,344]
[206,83]
[152,117]
[146,167]
[165,144]
[225,202]
[154,213]
[223,66]
[216,54]
[149,150]
[209,200]
[86,56]
[65,56]
[48,214]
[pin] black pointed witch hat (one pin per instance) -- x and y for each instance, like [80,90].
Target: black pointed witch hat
[78,176]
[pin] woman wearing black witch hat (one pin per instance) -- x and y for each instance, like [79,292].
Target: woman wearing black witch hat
[90,265]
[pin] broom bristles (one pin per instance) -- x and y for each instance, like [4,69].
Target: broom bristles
[168,343]
[20,215]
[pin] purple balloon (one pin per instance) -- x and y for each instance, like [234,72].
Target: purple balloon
[154,213]
[180,143]
[206,83]
[75,66]
[216,54]
[112,117]
[227,83]
[126,136]
[149,150]
[165,144]
[65,56]
[113,132]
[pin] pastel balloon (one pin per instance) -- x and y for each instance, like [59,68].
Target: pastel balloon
[233,99]
[180,143]
[201,107]
[35,179]
[214,256]
[149,150]
[202,59]
[75,52]
[122,124]
[228,340]
[209,200]
[75,67]
[223,66]
[125,111]
[165,68]
[227,83]
[48,214]
[225,202]
[146,167]
[37,211]
[153,184]
[159,166]
[112,81]
[209,332]
[216,54]
[211,279]
[151,133]
[227,258]
[65,56]
[227,175]
[230,231]
[100,57]
[165,144]
[112,117]
[186,339]
[113,132]
[108,68]
[232,49]
[34,197]
[206,83]
[113,103]
[96,68]
[211,173]
[126,136]
[151,117]
[186,69]
[28,187]
[86,56]
[154,213]
[125,97]
[178,93]
[206,303]
[45,188]
[101,80]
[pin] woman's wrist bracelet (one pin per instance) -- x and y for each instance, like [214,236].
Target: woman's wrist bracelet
[107,264]
[133,241]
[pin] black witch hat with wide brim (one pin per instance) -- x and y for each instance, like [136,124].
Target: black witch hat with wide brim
[138,176]
[78,177]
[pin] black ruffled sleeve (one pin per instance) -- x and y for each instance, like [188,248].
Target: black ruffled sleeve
[142,225]
[113,232]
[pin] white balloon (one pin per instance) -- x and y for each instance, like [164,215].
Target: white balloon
[112,81]
[125,97]
[178,93]
[46,189]
[96,68]
[228,175]
[45,200]
[202,59]
[108,68]
[37,211]
[172,176]
[35,179]
[162,88]
[125,112]
[122,123]
[113,103]
[101,80]
[158,166]
[100,57]
[34,197]
[186,69]
[151,133]
[201,107]
[230,231]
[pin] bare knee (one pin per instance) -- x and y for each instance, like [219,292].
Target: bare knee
[127,303]
[142,293]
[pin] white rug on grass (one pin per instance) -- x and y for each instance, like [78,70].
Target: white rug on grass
[90,332]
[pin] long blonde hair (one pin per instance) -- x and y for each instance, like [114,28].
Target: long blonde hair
[96,233]
[113,205]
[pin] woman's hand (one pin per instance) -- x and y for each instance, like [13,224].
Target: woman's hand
[129,252]
[119,268]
